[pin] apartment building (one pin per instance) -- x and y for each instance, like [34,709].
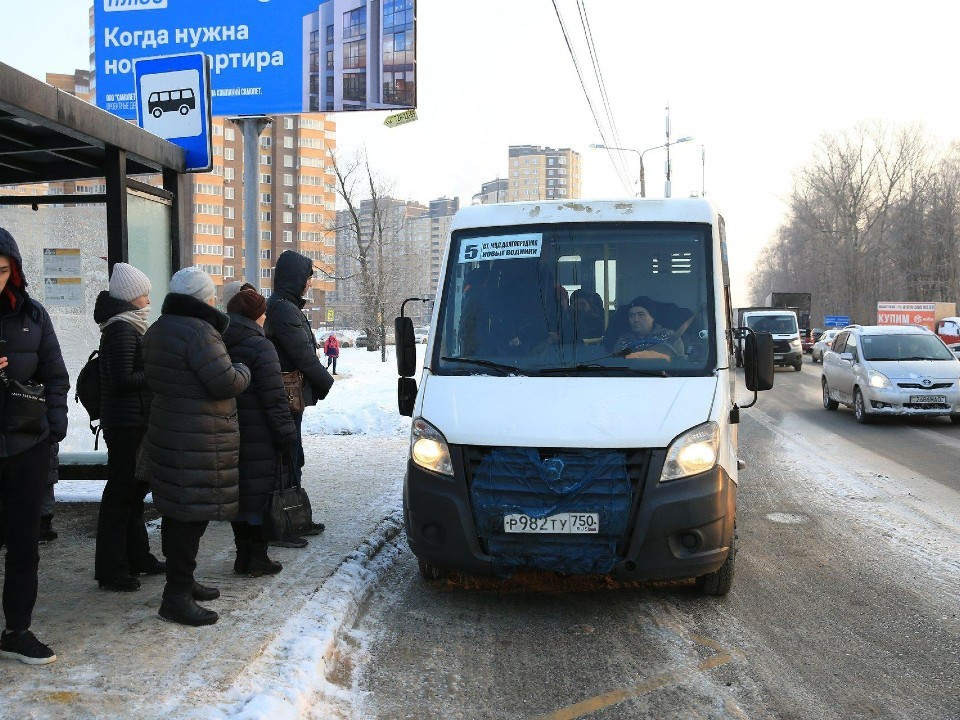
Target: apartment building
[542,173]
[296,198]
[360,55]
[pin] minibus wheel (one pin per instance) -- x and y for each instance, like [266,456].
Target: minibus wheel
[720,581]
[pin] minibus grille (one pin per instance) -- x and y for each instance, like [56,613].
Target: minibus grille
[781,346]
[637,463]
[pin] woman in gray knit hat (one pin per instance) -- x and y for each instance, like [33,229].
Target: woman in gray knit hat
[123,550]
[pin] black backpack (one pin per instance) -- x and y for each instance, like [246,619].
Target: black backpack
[88,392]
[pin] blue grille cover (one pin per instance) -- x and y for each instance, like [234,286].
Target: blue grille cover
[516,480]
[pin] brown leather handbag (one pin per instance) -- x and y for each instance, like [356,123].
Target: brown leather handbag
[293,386]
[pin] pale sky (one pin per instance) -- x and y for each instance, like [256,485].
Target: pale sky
[755,83]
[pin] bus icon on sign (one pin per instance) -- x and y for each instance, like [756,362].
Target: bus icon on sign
[182,101]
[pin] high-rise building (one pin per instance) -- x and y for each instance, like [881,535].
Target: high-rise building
[370,46]
[493,191]
[296,197]
[538,173]
[77,84]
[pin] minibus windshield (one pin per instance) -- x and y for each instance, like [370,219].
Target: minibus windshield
[578,299]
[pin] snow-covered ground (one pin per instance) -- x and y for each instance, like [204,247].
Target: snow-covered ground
[278,650]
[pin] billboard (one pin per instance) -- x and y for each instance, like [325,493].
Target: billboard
[267,56]
[914,313]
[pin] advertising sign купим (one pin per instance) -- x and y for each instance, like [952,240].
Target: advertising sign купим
[267,56]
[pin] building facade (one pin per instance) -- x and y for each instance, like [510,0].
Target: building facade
[539,173]
[361,55]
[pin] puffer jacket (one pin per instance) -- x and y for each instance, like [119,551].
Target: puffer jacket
[266,423]
[33,353]
[193,439]
[124,395]
[289,330]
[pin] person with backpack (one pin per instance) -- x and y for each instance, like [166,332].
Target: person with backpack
[289,330]
[29,352]
[331,348]
[193,437]
[267,432]
[123,549]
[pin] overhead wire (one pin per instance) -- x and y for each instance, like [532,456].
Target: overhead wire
[593,112]
[598,73]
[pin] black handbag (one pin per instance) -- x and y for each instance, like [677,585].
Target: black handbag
[25,406]
[288,512]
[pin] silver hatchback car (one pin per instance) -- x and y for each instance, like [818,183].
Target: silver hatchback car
[891,370]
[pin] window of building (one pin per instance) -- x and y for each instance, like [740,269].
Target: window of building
[288,180]
[355,86]
[288,141]
[266,254]
[228,154]
[328,35]
[229,193]
[355,22]
[266,272]
[228,271]
[288,217]
[228,173]
[265,217]
[228,249]
[266,198]
[288,198]
[228,233]
[288,161]
[288,123]
[228,212]
[265,141]
[329,59]
[268,236]
[287,234]
[329,85]
[228,134]
[265,179]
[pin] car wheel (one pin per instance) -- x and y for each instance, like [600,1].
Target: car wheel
[828,404]
[720,581]
[813,358]
[798,366]
[860,408]
[432,572]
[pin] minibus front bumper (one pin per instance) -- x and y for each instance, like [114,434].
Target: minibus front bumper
[678,529]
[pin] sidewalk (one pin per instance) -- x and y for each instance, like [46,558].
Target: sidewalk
[117,659]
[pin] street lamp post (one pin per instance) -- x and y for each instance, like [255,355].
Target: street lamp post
[640,153]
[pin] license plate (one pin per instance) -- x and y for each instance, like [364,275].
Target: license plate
[928,399]
[561,523]
[778,357]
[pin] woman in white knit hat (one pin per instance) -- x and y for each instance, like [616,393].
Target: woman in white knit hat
[123,550]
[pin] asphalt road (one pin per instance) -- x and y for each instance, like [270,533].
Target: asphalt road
[844,603]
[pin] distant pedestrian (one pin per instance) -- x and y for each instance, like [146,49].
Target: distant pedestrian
[268,434]
[193,439]
[331,348]
[29,350]
[123,549]
[289,330]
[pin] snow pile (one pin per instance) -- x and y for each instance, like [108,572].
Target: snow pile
[293,674]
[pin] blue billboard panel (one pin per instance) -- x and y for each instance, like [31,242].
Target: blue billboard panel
[173,102]
[836,320]
[267,56]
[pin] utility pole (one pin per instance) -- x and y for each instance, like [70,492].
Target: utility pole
[666,187]
[251,127]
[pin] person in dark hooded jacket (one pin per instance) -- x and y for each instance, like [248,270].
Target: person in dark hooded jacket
[290,332]
[29,350]
[267,432]
[123,550]
[193,439]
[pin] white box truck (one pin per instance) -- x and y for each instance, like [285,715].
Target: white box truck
[577,406]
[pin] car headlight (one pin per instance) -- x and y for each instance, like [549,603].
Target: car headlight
[879,380]
[695,451]
[428,448]
[795,343]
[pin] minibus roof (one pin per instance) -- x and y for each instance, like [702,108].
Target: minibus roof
[691,210]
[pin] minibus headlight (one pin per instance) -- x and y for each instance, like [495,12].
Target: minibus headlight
[695,451]
[428,448]
[879,380]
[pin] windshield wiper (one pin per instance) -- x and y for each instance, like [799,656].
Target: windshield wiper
[505,369]
[600,366]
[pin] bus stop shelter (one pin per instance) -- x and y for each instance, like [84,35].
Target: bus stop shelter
[71,238]
[47,135]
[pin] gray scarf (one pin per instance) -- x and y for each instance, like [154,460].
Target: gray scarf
[137,318]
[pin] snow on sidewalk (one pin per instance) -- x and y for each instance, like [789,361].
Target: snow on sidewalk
[275,651]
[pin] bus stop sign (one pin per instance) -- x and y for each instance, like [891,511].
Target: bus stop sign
[173,102]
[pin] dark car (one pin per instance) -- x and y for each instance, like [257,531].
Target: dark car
[808,338]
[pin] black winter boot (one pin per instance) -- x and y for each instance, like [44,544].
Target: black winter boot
[241,538]
[204,593]
[47,533]
[183,609]
[260,564]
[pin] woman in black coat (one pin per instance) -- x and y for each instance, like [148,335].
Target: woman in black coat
[123,550]
[290,332]
[193,438]
[29,350]
[267,431]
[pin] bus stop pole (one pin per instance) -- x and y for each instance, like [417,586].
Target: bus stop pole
[251,127]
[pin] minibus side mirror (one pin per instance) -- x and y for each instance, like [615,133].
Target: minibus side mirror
[406,395]
[758,361]
[406,347]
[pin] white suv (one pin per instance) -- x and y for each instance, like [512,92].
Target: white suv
[891,370]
